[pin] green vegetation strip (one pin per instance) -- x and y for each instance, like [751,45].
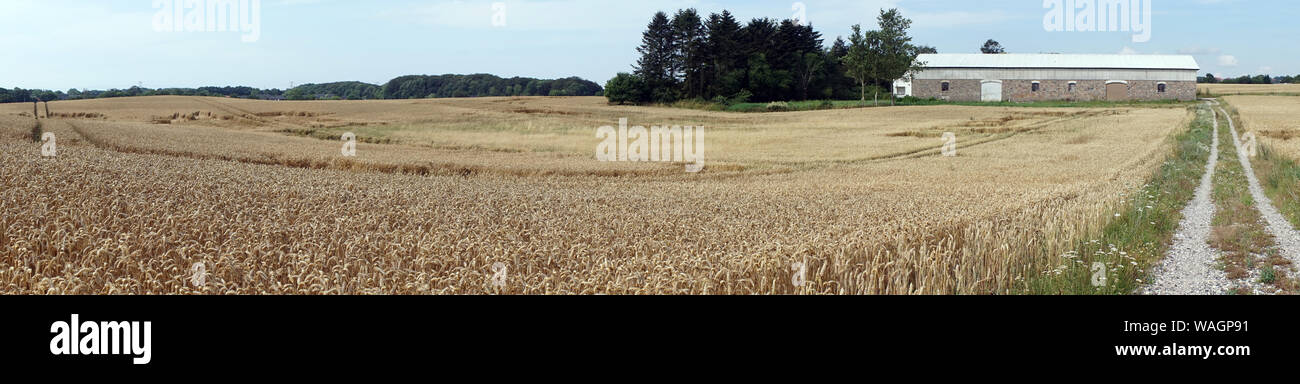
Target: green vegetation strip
[1238,231]
[813,105]
[1279,174]
[1139,236]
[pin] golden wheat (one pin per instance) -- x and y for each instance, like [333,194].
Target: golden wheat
[129,206]
[1272,119]
[1248,89]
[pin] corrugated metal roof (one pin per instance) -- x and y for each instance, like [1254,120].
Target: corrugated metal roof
[1014,60]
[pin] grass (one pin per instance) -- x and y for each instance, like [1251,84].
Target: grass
[1140,234]
[1268,275]
[1280,176]
[812,105]
[1056,104]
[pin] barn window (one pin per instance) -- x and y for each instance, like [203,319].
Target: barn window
[1073,84]
[1036,86]
[943,86]
[1160,87]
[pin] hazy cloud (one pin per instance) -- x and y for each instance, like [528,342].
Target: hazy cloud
[1227,61]
[1199,51]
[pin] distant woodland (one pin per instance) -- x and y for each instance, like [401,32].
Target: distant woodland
[405,87]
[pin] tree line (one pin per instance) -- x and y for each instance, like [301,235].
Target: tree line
[405,87]
[346,90]
[688,57]
[419,87]
[19,95]
[1209,78]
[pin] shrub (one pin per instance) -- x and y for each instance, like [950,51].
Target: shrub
[1267,275]
[826,104]
[663,95]
[626,88]
[741,97]
[777,106]
[699,104]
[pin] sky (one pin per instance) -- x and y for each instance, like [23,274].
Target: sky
[104,44]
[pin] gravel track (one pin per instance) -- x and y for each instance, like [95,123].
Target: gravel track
[1189,267]
[1288,239]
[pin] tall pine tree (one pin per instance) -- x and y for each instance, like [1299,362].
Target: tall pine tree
[760,41]
[725,56]
[839,84]
[656,64]
[689,37]
[764,60]
[799,50]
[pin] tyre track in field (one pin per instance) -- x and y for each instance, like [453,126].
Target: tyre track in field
[932,150]
[247,114]
[1189,266]
[1288,239]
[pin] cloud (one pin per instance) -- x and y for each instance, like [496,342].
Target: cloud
[589,15]
[1265,70]
[290,3]
[557,15]
[957,18]
[1199,51]
[1227,61]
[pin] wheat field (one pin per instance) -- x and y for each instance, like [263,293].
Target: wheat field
[1248,89]
[1273,119]
[504,195]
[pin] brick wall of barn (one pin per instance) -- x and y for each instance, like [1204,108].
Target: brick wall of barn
[958,90]
[1052,90]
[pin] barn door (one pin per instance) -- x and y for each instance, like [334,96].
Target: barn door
[1116,91]
[991,90]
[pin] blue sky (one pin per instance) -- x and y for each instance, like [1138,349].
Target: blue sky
[101,44]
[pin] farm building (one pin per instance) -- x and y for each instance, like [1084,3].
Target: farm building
[1044,77]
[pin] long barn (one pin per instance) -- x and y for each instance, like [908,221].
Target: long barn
[1049,77]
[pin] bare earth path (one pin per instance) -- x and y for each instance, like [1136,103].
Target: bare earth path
[1189,267]
[1288,240]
